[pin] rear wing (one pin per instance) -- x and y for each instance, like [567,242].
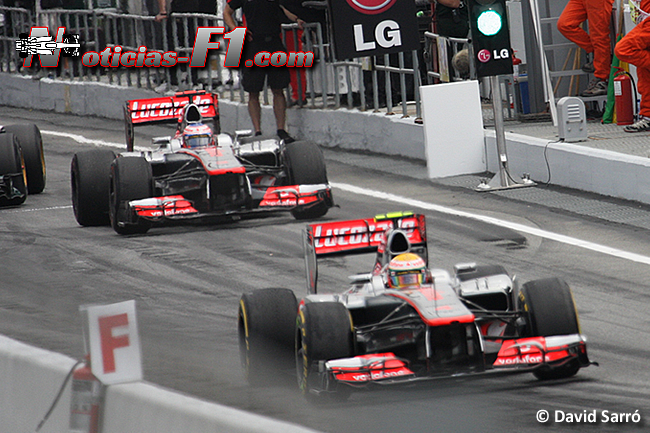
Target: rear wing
[387,235]
[169,109]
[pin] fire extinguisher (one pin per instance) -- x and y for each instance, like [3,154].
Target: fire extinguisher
[85,401]
[623,85]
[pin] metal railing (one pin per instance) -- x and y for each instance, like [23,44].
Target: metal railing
[438,67]
[388,82]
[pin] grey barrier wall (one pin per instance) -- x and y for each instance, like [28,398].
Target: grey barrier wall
[30,378]
[584,168]
[573,166]
[347,129]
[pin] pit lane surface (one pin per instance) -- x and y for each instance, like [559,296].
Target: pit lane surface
[187,280]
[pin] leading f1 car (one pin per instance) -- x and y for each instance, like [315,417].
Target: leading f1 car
[198,172]
[404,321]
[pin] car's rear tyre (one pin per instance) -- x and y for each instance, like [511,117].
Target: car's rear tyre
[265,323]
[323,332]
[306,166]
[550,311]
[130,179]
[12,162]
[90,173]
[31,143]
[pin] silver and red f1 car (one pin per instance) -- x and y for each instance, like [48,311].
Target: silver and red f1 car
[196,173]
[475,321]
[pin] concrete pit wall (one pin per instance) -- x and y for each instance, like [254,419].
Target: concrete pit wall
[30,379]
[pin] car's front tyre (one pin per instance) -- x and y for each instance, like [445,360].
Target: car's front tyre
[323,332]
[12,163]
[31,143]
[131,179]
[550,311]
[305,165]
[265,324]
[90,179]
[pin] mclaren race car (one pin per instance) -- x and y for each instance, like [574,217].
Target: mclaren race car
[404,321]
[197,172]
[22,163]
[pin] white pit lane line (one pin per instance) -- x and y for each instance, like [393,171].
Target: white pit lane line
[498,222]
[39,209]
[99,143]
[614,252]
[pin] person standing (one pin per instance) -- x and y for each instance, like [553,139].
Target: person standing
[451,19]
[634,48]
[263,20]
[184,28]
[598,13]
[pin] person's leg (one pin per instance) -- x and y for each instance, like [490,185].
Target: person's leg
[634,48]
[278,79]
[599,13]
[280,111]
[568,24]
[255,111]
[279,108]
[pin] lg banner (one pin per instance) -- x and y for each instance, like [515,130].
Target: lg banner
[114,342]
[373,27]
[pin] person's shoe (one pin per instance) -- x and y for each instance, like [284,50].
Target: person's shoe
[284,135]
[597,87]
[588,67]
[642,125]
[258,133]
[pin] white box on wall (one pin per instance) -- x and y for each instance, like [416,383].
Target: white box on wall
[453,129]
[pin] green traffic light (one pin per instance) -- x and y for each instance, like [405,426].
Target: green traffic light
[489,22]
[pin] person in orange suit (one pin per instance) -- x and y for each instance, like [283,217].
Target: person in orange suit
[634,48]
[597,41]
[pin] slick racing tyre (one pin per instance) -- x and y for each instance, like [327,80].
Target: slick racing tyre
[551,311]
[323,332]
[305,165]
[266,324]
[14,188]
[131,179]
[31,143]
[90,178]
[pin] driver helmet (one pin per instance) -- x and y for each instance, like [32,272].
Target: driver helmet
[406,270]
[197,135]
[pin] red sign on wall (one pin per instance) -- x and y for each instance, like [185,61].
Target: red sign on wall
[115,354]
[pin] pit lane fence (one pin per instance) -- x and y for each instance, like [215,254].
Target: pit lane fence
[388,83]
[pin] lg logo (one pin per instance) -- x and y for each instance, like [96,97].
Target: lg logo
[387,34]
[484,55]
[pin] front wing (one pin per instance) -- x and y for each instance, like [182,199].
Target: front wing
[518,355]
[275,198]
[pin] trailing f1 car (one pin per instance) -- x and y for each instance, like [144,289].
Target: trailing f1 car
[405,322]
[196,173]
[22,163]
